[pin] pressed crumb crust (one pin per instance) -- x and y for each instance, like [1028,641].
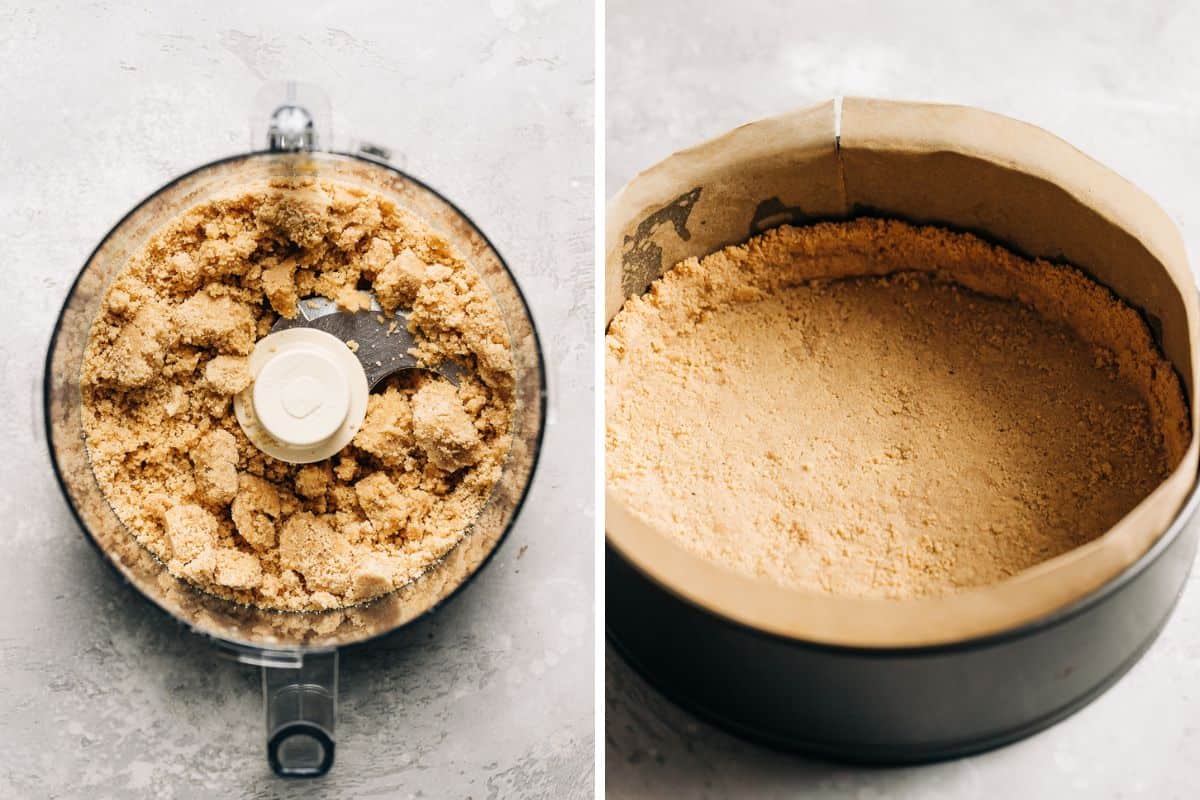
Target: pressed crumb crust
[169,350]
[874,409]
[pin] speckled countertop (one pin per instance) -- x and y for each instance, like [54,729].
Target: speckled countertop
[104,102]
[1122,83]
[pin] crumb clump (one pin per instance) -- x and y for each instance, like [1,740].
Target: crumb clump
[442,428]
[228,374]
[868,409]
[168,351]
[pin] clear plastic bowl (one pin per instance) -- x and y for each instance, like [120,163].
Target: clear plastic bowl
[297,651]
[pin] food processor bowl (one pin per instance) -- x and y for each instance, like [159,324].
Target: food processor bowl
[297,651]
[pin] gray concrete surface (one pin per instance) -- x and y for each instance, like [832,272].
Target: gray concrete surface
[1121,81]
[102,103]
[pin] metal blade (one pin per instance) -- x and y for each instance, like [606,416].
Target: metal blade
[382,347]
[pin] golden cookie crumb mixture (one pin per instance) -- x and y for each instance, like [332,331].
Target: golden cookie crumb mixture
[875,409]
[169,350]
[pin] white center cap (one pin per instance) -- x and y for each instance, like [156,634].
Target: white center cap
[302,397]
[308,398]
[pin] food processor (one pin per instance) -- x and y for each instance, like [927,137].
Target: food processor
[297,651]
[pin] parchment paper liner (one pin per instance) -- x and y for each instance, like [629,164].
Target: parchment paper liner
[960,167]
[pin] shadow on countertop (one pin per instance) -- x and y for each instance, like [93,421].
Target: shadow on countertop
[655,749]
[131,703]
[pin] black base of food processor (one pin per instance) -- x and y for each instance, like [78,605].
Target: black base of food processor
[890,706]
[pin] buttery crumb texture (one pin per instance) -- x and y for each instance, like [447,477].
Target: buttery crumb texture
[169,350]
[874,409]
